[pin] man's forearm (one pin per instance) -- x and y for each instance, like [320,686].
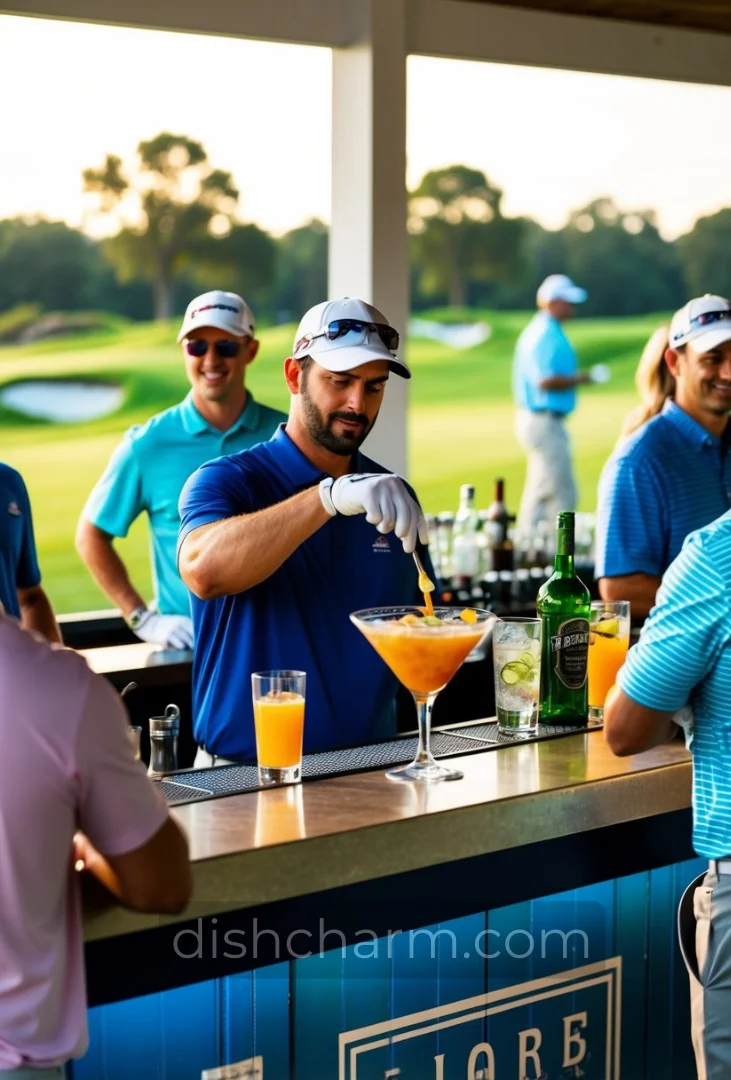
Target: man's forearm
[630,728]
[639,589]
[96,548]
[36,613]
[563,382]
[233,555]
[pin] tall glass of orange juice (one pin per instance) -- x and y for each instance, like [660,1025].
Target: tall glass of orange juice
[279,720]
[608,644]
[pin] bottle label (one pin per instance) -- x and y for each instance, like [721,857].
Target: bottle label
[570,652]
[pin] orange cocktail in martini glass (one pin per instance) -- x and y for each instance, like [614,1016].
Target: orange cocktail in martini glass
[423,652]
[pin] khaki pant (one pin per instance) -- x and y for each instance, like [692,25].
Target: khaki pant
[704,929]
[549,479]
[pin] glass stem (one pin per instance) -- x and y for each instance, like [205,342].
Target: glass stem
[424,705]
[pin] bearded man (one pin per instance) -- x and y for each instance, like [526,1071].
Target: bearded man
[280,543]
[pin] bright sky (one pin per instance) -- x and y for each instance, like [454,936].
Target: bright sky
[552,140]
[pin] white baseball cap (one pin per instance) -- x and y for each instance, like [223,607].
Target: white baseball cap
[704,321]
[222,310]
[560,287]
[324,334]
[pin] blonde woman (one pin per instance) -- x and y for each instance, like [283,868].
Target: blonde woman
[654,381]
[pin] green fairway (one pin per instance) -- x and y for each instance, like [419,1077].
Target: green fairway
[460,422]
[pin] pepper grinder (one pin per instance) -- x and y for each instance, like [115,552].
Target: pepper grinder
[164,731]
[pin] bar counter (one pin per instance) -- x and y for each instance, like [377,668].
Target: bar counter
[265,846]
[548,839]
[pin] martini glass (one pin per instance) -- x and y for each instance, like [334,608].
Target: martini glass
[423,656]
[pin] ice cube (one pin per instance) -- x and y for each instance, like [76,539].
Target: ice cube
[511,634]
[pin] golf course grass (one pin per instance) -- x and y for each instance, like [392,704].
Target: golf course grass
[460,422]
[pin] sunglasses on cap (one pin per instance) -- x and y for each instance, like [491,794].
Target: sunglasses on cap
[706,318]
[339,328]
[225,349]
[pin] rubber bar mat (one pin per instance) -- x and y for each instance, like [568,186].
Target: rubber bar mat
[198,785]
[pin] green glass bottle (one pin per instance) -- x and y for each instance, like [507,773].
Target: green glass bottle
[564,605]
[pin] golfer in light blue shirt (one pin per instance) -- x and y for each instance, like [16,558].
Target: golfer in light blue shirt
[545,376]
[149,468]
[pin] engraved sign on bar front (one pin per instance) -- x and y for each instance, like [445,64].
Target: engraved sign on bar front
[559,1026]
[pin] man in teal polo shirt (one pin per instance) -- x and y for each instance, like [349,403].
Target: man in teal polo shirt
[148,469]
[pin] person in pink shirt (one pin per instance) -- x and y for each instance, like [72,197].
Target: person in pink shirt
[70,790]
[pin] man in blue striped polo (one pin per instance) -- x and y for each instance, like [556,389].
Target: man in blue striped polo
[683,658]
[674,474]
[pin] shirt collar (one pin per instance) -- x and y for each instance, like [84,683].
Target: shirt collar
[298,467]
[290,458]
[694,432]
[194,423]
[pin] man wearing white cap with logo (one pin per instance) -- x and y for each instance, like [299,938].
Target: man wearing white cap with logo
[279,544]
[545,377]
[673,475]
[147,471]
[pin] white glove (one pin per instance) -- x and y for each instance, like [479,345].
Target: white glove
[600,373]
[175,631]
[383,498]
[684,719]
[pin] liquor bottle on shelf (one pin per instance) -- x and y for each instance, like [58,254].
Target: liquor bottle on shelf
[499,546]
[465,542]
[445,527]
[563,605]
[433,543]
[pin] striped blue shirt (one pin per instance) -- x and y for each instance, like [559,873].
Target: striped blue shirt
[666,480]
[684,657]
[542,351]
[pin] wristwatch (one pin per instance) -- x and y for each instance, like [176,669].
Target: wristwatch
[135,618]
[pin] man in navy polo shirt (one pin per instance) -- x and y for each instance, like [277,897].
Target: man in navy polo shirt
[147,471]
[673,475]
[21,594]
[278,547]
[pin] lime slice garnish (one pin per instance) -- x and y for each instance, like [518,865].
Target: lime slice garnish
[514,672]
[527,659]
[606,627]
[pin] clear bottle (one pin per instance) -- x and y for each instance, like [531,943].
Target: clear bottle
[164,731]
[445,527]
[564,604]
[499,547]
[465,539]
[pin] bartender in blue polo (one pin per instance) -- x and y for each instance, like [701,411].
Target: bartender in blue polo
[280,543]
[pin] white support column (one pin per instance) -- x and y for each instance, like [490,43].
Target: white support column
[368,242]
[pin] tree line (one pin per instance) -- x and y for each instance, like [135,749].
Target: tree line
[173,230]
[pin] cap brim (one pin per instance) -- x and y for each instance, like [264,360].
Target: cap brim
[213,320]
[576,295]
[346,359]
[711,338]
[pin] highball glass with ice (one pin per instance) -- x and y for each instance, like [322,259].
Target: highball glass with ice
[279,717]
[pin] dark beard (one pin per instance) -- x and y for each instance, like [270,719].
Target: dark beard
[321,430]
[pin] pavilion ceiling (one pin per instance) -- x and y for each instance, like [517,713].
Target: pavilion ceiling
[692,14]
